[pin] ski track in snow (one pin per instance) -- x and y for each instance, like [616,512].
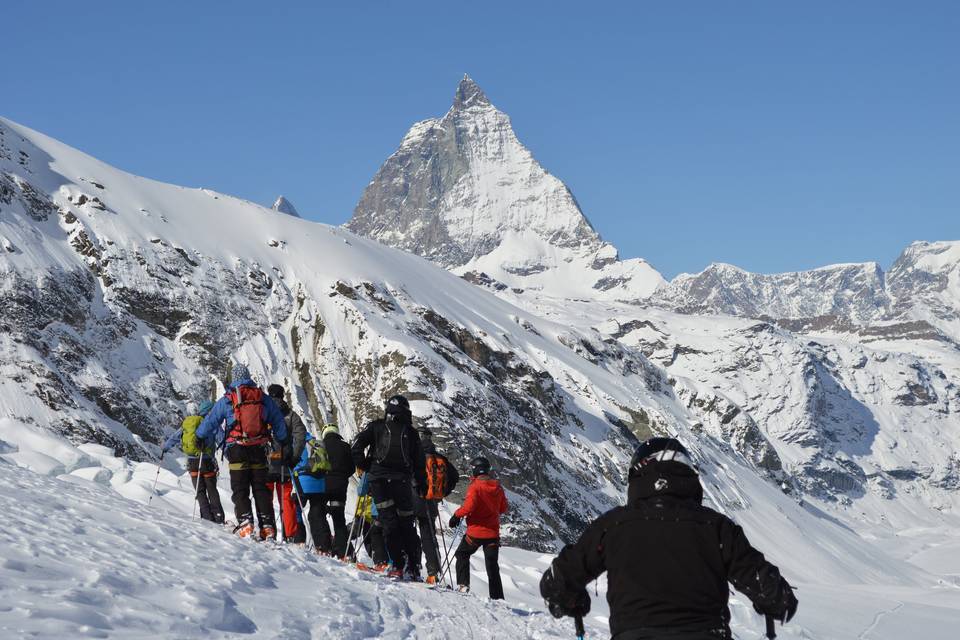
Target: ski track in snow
[876,620]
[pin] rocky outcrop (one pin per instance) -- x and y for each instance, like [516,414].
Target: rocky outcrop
[462,191]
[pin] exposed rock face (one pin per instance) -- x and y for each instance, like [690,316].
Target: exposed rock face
[285,206]
[464,192]
[132,299]
[924,283]
[820,417]
[919,295]
[855,291]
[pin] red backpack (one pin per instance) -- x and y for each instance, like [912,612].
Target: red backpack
[249,427]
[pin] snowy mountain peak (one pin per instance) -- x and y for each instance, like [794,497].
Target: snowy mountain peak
[463,191]
[285,206]
[469,94]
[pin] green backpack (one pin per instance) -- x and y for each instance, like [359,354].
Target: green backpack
[188,439]
[318,460]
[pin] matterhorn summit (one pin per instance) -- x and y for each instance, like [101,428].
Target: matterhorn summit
[464,192]
[285,206]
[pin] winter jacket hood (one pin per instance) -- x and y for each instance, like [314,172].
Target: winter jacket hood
[483,506]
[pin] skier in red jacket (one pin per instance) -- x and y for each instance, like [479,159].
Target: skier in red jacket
[484,504]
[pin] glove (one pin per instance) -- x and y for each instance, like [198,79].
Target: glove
[454,521]
[563,599]
[580,607]
[784,608]
[421,490]
[288,459]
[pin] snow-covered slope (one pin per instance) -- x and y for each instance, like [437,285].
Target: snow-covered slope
[125,299]
[464,192]
[86,552]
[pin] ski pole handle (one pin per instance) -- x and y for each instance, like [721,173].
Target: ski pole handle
[578,623]
[771,629]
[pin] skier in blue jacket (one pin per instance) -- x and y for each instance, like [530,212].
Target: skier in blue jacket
[313,486]
[245,420]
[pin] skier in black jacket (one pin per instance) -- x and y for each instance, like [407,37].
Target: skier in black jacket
[334,499]
[389,451]
[668,558]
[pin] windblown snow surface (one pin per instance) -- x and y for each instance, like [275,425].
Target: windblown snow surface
[86,553]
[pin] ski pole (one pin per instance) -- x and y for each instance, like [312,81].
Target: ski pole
[296,490]
[363,540]
[443,538]
[433,532]
[361,489]
[156,480]
[196,493]
[578,623]
[453,539]
[771,629]
[282,528]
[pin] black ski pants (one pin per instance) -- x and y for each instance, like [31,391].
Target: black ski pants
[428,542]
[491,557]
[322,505]
[394,500]
[248,472]
[208,498]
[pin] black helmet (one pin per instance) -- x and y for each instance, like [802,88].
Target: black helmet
[480,466]
[659,450]
[397,406]
[276,391]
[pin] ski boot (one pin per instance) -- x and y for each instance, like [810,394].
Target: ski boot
[463,588]
[267,532]
[244,529]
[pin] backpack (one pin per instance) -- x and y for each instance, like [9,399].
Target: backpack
[188,438]
[248,427]
[437,482]
[318,461]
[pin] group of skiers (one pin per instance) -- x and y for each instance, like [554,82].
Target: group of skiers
[668,558]
[402,479]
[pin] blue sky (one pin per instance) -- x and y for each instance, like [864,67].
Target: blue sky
[772,135]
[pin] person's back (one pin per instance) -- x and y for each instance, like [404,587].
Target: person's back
[484,504]
[201,464]
[282,458]
[389,451]
[336,482]
[668,558]
[250,419]
[441,479]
